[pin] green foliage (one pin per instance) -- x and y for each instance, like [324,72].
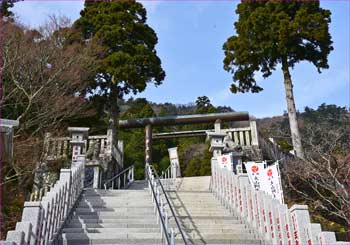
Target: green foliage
[285,145]
[275,32]
[204,105]
[130,60]
[5,7]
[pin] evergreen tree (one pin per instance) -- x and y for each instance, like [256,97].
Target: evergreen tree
[277,32]
[130,60]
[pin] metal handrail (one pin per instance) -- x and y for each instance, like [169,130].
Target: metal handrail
[119,175]
[170,206]
[162,219]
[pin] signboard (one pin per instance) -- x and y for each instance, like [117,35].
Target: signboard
[225,161]
[265,178]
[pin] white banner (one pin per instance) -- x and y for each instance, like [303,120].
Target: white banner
[225,161]
[267,179]
[255,172]
[272,182]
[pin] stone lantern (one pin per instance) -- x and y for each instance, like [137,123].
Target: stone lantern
[78,141]
[216,139]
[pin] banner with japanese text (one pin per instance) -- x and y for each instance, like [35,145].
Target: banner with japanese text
[255,172]
[225,161]
[265,178]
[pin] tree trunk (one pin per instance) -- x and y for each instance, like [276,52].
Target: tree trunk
[292,114]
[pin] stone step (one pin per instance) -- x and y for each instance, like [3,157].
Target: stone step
[140,210]
[101,205]
[149,215]
[102,191]
[218,241]
[217,231]
[118,198]
[204,226]
[145,224]
[201,213]
[193,200]
[110,238]
[206,220]
[119,230]
[212,236]
[114,203]
[121,220]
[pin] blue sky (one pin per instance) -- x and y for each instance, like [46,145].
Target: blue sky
[191,35]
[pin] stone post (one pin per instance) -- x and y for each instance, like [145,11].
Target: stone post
[300,221]
[65,175]
[312,233]
[282,224]
[326,238]
[26,228]
[97,177]
[243,207]
[272,217]
[32,213]
[16,236]
[254,133]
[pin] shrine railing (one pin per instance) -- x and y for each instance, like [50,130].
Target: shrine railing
[42,221]
[274,222]
[244,136]
[59,147]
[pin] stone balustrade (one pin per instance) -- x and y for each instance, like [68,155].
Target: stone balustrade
[98,146]
[274,222]
[42,221]
[244,136]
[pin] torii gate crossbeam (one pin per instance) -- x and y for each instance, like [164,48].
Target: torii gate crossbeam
[147,123]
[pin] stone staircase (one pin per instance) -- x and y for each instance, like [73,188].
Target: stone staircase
[203,219]
[127,217]
[113,217]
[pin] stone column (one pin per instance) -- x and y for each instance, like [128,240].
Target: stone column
[148,144]
[254,133]
[96,184]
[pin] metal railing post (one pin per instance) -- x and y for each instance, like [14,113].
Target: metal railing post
[172,237]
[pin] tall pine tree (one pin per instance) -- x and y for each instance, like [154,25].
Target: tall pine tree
[273,32]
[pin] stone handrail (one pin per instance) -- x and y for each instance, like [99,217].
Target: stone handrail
[42,221]
[274,222]
[60,147]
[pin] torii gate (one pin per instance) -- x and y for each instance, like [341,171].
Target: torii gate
[148,123]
